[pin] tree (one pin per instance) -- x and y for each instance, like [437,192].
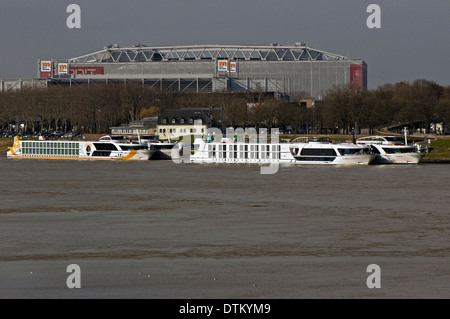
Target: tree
[443,107]
[426,95]
[345,106]
[150,111]
[418,102]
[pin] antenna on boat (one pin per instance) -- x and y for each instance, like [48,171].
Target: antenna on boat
[406,139]
[139,136]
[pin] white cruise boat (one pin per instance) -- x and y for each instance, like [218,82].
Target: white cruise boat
[392,150]
[312,151]
[106,149]
[163,150]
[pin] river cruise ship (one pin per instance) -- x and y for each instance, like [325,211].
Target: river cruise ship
[392,150]
[310,151]
[163,150]
[106,149]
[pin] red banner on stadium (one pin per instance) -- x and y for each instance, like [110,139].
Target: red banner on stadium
[356,75]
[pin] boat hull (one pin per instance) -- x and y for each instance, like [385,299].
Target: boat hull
[342,160]
[405,158]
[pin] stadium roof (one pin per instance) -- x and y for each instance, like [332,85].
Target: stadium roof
[142,53]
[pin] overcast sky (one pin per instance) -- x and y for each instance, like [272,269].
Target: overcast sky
[413,42]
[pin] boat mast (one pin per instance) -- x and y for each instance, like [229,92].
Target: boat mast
[406,139]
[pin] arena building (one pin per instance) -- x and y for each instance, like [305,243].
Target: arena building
[276,69]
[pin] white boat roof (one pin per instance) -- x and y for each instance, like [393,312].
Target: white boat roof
[390,139]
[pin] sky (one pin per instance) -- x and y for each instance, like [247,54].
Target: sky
[412,43]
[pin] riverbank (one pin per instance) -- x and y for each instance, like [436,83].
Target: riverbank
[4,144]
[439,152]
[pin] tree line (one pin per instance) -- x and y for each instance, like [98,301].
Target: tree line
[94,108]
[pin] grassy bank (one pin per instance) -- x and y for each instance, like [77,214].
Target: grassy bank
[439,150]
[4,144]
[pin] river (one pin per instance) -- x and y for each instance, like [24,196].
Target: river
[157,229]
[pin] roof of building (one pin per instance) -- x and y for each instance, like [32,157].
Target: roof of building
[145,122]
[143,53]
[188,116]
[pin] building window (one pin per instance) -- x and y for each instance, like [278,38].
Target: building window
[164,120]
[174,120]
[191,121]
[182,121]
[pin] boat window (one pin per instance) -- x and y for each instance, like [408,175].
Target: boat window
[131,147]
[395,139]
[396,150]
[316,154]
[105,147]
[101,153]
[349,151]
[318,151]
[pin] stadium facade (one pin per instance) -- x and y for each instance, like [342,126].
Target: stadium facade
[277,69]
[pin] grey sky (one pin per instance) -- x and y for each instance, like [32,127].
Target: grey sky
[413,42]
